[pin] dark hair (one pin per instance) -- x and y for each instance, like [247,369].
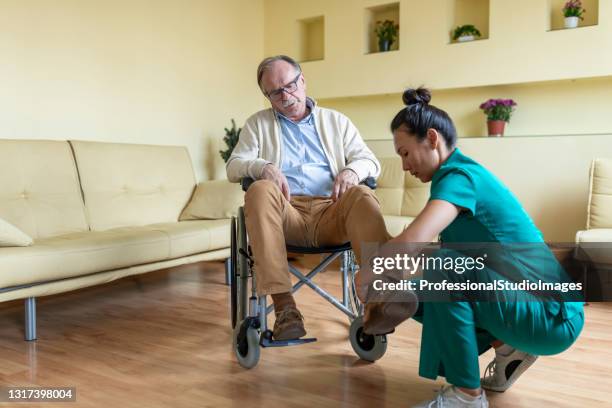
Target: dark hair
[419,115]
[263,65]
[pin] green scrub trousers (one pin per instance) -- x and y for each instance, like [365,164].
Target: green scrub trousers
[456,333]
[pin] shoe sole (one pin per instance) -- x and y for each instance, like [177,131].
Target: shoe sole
[523,366]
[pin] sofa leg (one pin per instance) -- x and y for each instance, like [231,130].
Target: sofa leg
[228,271]
[30,319]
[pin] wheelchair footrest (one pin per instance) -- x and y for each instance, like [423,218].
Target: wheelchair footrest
[267,341]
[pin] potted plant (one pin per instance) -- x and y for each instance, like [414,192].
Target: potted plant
[386,31]
[466,32]
[230,139]
[573,11]
[498,112]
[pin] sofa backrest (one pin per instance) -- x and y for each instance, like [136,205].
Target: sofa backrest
[398,191]
[39,188]
[600,195]
[133,185]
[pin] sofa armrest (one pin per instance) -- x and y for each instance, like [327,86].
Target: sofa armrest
[213,199]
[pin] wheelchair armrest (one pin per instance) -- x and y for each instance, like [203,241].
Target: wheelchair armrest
[247,181]
[370,182]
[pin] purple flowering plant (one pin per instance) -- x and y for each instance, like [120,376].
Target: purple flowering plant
[498,109]
[573,8]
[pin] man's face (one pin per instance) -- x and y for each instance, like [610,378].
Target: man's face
[291,100]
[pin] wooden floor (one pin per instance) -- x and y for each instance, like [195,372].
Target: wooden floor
[163,340]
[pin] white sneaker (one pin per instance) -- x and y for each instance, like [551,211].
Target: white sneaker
[450,397]
[507,366]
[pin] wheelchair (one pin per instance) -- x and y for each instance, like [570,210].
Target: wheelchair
[248,311]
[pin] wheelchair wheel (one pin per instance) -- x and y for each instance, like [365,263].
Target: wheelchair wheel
[246,343]
[366,346]
[242,269]
[233,264]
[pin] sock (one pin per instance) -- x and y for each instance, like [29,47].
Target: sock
[282,301]
[504,350]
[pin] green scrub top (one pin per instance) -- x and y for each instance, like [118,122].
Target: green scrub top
[494,215]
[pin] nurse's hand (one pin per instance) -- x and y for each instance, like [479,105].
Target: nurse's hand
[370,270]
[346,179]
[272,173]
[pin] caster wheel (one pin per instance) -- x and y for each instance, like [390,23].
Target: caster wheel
[246,344]
[366,346]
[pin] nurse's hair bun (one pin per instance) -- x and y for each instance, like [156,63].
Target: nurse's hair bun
[416,96]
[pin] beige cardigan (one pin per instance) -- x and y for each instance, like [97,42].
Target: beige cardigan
[260,143]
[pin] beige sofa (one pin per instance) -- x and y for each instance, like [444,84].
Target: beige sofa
[97,212]
[595,242]
[100,211]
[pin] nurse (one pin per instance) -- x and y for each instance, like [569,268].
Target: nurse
[468,204]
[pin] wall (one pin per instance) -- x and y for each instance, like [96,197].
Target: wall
[312,39]
[572,107]
[549,175]
[159,72]
[474,12]
[520,48]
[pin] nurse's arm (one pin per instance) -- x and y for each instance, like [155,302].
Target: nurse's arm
[431,221]
[425,228]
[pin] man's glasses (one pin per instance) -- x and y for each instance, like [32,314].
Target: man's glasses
[289,88]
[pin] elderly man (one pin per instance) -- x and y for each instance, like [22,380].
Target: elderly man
[308,162]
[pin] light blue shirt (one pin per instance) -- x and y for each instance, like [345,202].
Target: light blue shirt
[304,163]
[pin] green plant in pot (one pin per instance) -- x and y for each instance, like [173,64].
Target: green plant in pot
[573,11]
[230,139]
[387,32]
[466,32]
[498,112]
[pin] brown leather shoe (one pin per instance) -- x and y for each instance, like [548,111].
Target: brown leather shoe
[289,325]
[383,317]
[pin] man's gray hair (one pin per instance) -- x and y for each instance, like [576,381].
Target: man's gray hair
[263,65]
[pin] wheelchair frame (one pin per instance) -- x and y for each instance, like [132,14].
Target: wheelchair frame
[248,314]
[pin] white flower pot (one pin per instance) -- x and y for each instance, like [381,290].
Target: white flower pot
[465,38]
[571,22]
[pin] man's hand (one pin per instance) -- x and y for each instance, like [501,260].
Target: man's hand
[272,173]
[346,179]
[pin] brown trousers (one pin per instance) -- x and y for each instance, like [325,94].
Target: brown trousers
[272,222]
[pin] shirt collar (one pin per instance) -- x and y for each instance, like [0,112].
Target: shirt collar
[310,104]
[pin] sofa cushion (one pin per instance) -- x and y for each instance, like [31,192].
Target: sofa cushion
[191,237]
[214,199]
[11,236]
[399,192]
[133,185]
[390,186]
[600,198]
[83,253]
[595,245]
[40,191]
